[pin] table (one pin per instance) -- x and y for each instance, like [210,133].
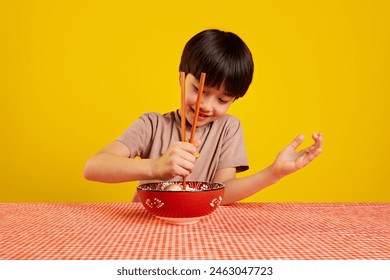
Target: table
[242,231]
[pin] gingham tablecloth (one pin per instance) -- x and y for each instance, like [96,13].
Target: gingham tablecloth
[269,231]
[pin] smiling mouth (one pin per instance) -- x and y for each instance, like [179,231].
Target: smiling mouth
[202,115]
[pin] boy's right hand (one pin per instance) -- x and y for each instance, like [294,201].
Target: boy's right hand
[178,160]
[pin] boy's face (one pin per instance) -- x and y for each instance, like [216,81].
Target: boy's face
[215,102]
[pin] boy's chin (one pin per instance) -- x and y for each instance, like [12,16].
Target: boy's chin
[201,123]
[201,120]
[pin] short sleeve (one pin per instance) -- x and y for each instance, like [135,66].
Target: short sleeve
[138,136]
[233,151]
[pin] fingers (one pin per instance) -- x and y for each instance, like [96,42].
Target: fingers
[297,141]
[313,154]
[197,143]
[317,141]
[314,150]
[179,160]
[190,157]
[182,169]
[183,152]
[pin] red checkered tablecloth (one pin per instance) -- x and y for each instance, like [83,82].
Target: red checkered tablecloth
[270,231]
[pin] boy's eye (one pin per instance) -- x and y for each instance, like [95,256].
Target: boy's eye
[195,88]
[222,101]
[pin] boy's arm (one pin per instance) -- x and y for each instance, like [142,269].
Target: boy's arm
[113,165]
[288,161]
[240,188]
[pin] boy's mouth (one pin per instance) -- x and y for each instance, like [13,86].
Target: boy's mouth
[202,116]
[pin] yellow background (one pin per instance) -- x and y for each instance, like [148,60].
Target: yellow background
[75,74]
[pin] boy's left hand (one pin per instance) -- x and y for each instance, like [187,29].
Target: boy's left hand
[289,160]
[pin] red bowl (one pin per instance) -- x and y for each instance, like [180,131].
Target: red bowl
[181,207]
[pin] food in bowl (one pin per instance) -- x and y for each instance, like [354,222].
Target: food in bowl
[174,187]
[164,200]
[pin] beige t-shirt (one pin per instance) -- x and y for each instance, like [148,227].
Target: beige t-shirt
[222,142]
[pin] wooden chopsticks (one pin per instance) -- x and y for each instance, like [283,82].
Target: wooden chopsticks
[183,105]
[183,112]
[198,100]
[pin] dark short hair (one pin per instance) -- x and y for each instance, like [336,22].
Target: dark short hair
[223,56]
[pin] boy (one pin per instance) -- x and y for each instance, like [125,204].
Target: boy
[155,138]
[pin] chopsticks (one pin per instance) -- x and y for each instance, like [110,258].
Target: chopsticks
[183,115]
[183,112]
[198,100]
[183,106]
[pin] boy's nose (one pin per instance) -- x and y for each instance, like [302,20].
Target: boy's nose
[206,104]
